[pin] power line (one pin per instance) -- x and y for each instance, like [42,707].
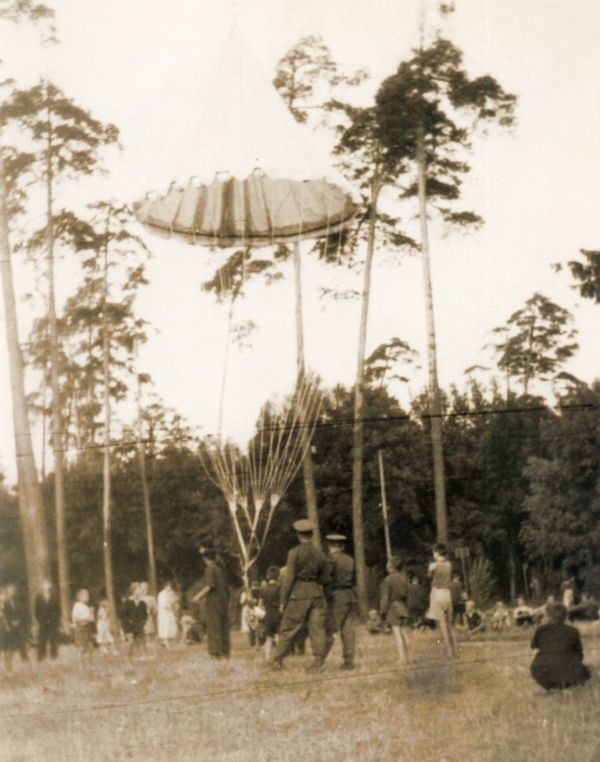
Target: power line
[216,695]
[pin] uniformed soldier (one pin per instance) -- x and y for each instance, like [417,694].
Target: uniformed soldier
[341,608]
[302,598]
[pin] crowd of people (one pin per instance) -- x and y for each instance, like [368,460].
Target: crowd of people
[311,598]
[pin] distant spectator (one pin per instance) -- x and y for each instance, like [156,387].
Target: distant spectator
[567,591]
[104,636]
[47,614]
[540,614]
[15,618]
[523,615]
[150,601]
[270,600]
[133,619]
[374,624]
[416,601]
[473,622]
[585,610]
[559,660]
[500,617]
[167,615]
[82,620]
[458,603]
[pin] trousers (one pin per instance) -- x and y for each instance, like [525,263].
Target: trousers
[341,617]
[217,629]
[297,614]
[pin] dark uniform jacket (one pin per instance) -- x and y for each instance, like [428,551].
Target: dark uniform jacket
[342,572]
[307,572]
[47,612]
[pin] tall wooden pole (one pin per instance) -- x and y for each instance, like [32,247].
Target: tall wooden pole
[152,577]
[31,506]
[308,475]
[435,408]
[384,507]
[357,426]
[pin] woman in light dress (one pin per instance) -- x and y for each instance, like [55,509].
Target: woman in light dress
[150,601]
[167,614]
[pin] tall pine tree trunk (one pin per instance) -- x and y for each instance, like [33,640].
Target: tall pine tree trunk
[106,477]
[57,437]
[146,496]
[31,506]
[310,492]
[435,407]
[357,427]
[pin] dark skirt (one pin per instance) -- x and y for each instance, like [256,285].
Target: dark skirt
[271,622]
[559,671]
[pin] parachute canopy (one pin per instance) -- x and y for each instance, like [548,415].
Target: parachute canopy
[246,174]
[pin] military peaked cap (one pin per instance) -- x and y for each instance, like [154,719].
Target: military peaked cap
[304,526]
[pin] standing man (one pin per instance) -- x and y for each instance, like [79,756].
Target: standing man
[134,615]
[216,594]
[341,608]
[302,598]
[47,613]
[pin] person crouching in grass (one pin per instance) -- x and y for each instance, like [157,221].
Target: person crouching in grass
[559,659]
[82,619]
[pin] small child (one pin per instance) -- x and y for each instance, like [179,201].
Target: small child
[559,660]
[440,599]
[82,619]
[104,636]
[374,624]
[500,617]
[270,600]
[473,622]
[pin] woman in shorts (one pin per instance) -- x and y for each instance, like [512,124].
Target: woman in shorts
[440,599]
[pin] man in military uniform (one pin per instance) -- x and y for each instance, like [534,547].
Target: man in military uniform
[341,605]
[302,598]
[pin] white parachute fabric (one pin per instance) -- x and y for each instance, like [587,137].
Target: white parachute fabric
[246,173]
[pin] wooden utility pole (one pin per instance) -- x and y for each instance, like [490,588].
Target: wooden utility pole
[384,507]
[146,494]
[310,491]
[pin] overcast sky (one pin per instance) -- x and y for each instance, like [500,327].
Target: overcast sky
[138,63]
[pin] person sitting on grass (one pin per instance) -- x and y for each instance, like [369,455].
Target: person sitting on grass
[473,622]
[586,610]
[523,615]
[373,624]
[393,609]
[559,659]
[500,617]
[82,619]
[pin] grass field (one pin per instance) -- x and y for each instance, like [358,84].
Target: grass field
[179,705]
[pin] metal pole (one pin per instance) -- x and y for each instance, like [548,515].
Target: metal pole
[384,508]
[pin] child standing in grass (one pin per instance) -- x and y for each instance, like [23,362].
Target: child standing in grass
[82,619]
[104,636]
[440,600]
[270,600]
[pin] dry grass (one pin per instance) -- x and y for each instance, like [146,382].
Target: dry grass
[181,706]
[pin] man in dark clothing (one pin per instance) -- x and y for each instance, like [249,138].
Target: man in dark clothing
[559,660]
[302,599]
[47,614]
[133,619]
[215,593]
[341,604]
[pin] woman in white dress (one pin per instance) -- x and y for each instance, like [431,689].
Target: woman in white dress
[167,616]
